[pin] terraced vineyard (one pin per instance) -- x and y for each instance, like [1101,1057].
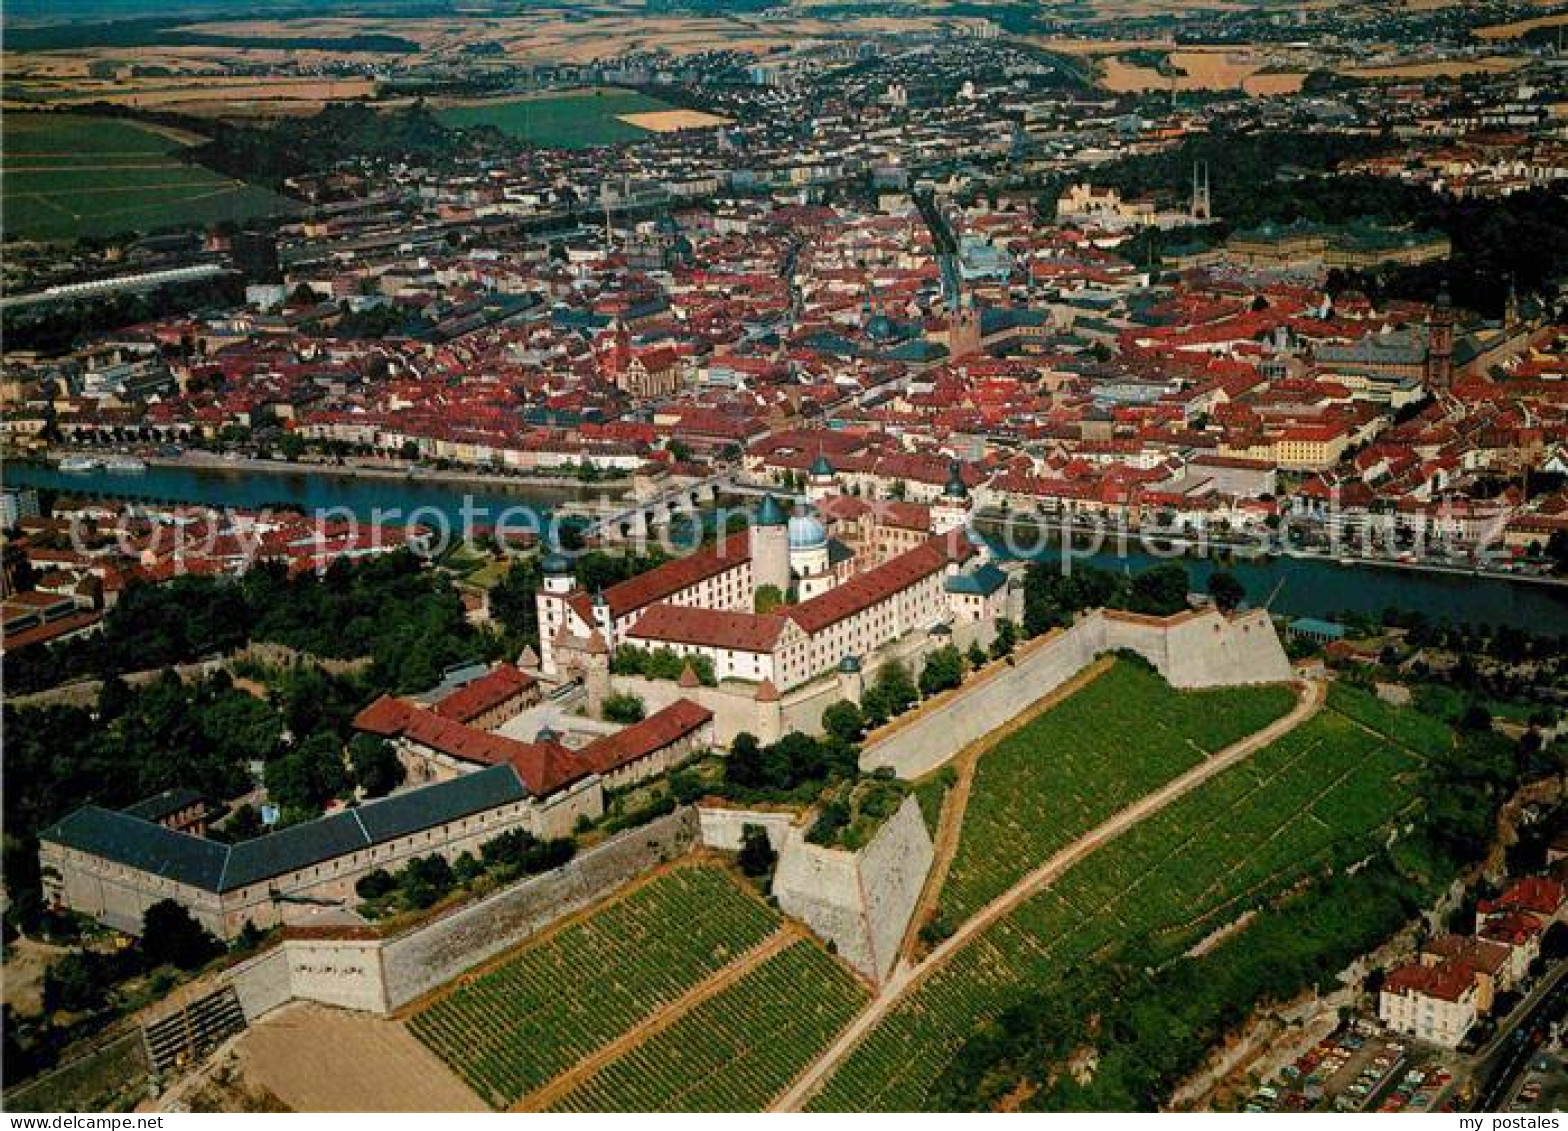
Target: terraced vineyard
[737,1050]
[524,1022]
[1321,792]
[1127,733]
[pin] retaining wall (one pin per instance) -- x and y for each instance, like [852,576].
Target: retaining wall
[380,975]
[1190,650]
[861,902]
[722,828]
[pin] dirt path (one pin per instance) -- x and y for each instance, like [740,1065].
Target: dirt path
[315,1058]
[950,826]
[718,982]
[906,977]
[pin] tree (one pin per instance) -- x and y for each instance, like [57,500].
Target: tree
[308,777]
[843,721]
[170,936]
[623,707]
[744,765]
[1160,591]
[1226,592]
[768,598]
[292,445]
[1006,639]
[77,983]
[756,851]
[896,689]
[424,881]
[976,656]
[374,884]
[114,699]
[374,764]
[944,669]
[1476,718]
[514,603]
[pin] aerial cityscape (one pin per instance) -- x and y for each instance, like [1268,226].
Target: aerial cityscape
[785,555]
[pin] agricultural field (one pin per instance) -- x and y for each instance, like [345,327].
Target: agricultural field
[1321,793]
[1124,734]
[570,120]
[68,176]
[518,1025]
[737,1050]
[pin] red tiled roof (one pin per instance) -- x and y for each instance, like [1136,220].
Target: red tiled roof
[682,573]
[713,628]
[53,630]
[544,767]
[1535,894]
[663,728]
[1511,927]
[489,691]
[876,585]
[1447,980]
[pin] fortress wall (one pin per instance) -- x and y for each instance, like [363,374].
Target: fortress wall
[925,743]
[860,902]
[722,828]
[1190,650]
[377,975]
[734,709]
[1204,649]
[821,887]
[262,983]
[426,957]
[893,869]
[343,972]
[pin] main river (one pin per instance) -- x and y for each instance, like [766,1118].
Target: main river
[1299,586]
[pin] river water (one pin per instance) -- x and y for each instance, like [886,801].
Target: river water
[1297,586]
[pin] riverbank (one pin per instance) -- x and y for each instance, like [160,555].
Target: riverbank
[1154,544]
[1308,585]
[356,468]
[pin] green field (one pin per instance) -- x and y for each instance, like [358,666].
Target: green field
[1322,793]
[738,1050]
[68,176]
[1125,734]
[524,1022]
[566,121]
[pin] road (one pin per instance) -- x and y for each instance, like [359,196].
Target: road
[1515,1045]
[906,977]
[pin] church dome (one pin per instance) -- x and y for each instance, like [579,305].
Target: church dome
[807,533]
[557,565]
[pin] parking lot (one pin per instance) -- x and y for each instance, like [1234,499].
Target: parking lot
[1359,1068]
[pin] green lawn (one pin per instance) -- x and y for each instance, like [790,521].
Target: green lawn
[1325,792]
[568,121]
[1125,734]
[738,1050]
[526,1021]
[67,176]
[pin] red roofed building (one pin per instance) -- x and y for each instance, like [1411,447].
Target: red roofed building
[1436,1003]
[659,743]
[562,786]
[487,702]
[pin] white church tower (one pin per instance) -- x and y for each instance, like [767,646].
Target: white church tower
[951,509]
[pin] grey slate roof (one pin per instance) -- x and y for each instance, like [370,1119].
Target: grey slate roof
[141,844]
[981,582]
[192,860]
